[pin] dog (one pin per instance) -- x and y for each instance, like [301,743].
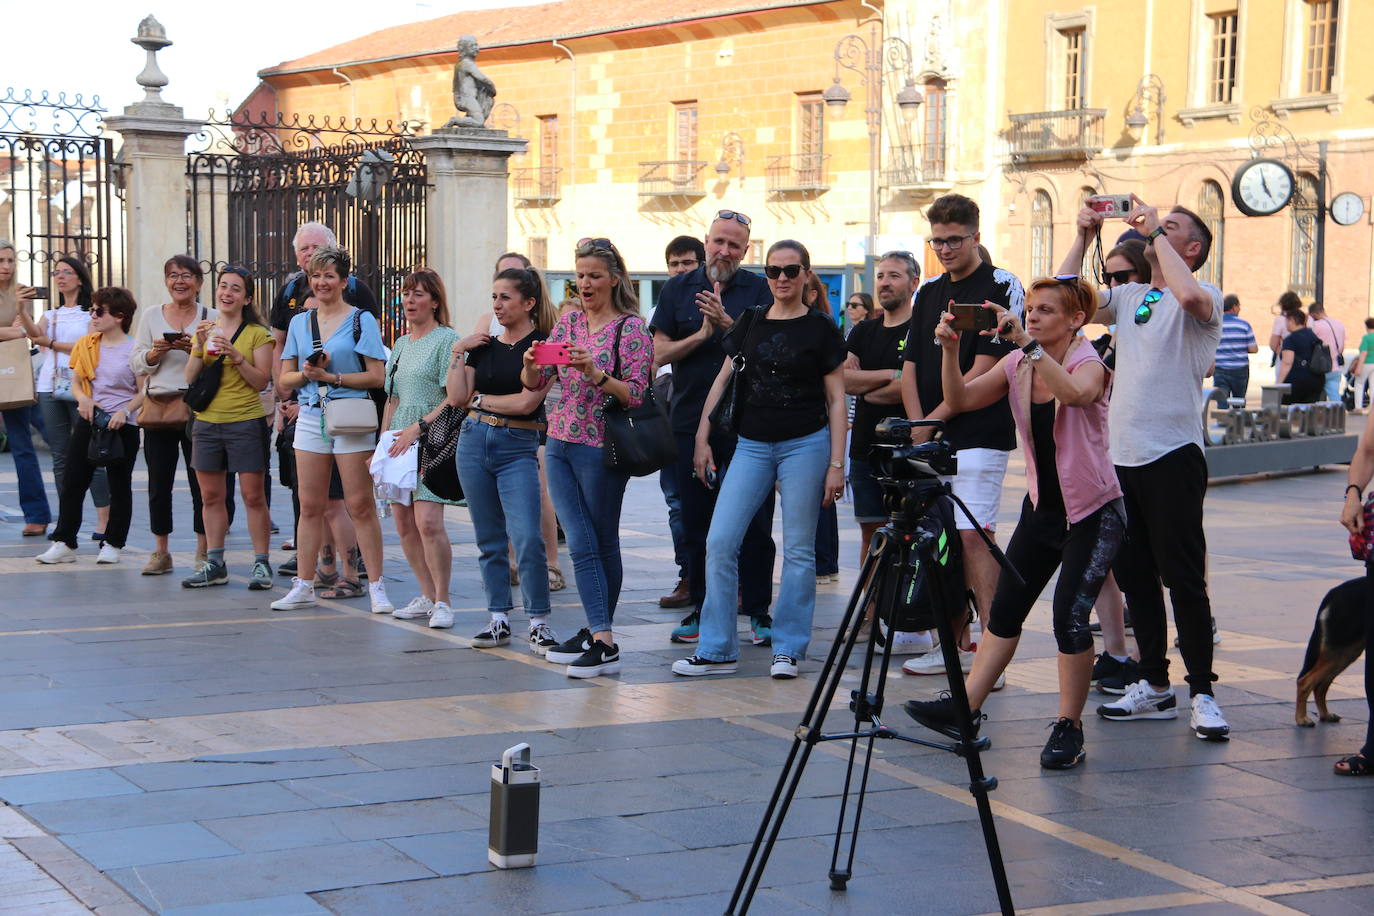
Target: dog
[1337,640]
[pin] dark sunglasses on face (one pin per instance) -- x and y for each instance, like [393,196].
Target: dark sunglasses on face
[1146,309]
[734,215]
[100,312]
[1118,277]
[791,271]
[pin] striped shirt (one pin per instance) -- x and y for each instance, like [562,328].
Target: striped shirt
[1237,337]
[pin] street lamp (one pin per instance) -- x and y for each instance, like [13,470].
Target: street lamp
[1149,92]
[871,60]
[731,150]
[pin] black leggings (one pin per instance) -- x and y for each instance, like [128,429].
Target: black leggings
[1042,543]
[76,480]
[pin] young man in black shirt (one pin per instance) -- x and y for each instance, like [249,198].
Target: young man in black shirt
[695,310]
[983,437]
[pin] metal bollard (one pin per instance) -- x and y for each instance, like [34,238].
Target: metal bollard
[513,832]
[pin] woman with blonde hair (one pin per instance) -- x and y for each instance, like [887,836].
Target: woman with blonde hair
[14,299]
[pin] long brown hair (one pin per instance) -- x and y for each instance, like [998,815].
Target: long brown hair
[529,285]
[429,281]
[624,299]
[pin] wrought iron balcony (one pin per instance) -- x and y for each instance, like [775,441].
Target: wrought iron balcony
[914,167]
[799,174]
[1048,135]
[673,178]
[537,186]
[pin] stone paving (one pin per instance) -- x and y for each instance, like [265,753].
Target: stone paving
[193,753]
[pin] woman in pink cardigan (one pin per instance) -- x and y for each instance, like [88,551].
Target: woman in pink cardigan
[1072,516]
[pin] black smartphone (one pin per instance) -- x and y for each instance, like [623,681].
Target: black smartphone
[315,358]
[973,318]
[40,292]
[172,336]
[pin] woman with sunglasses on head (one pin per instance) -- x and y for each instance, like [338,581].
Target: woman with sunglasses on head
[498,458]
[417,386]
[791,420]
[1072,519]
[585,492]
[15,304]
[230,435]
[107,394]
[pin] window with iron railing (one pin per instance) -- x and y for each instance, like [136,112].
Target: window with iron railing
[1075,52]
[1042,234]
[1303,247]
[685,137]
[1221,71]
[1319,51]
[933,135]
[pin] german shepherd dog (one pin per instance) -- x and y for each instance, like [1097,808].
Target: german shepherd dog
[1337,640]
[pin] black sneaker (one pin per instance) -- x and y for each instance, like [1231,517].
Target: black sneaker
[288,568]
[207,574]
[496,634]
[938,715]
[696,666]
[1107,666]
[569,651]
[1118,683]
[1064,750]
[598,660]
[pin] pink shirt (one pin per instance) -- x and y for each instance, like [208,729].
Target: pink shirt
[576,416]
[1332,333]
[115,384]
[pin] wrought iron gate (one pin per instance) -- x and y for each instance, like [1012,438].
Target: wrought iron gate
[254,179]
[58,179]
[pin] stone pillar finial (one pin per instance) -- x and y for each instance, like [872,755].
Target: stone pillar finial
[152,37]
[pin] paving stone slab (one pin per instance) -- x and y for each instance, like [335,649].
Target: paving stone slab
[396,755]
[111,849]
[328,826]
[554,889]
[286,905]
[174,806]
[1354,901]
[52,787]
[155,777]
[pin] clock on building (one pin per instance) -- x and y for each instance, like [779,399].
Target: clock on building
[1262,187]
[1347,208]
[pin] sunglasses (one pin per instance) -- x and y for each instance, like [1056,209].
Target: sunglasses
[1066,279]
[1146,309]
[790,271]
[602,244]
[1120,277]
[734,215]
[100,312]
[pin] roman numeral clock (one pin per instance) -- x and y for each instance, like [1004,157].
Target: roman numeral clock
[1262,187]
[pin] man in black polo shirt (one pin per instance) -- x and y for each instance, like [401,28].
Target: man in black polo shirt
[694,311]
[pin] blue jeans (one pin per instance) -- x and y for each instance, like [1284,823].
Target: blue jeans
[499,470]
[1333,383]
[828,541]
[667,482]
[587,497]
[798,466]
[59,419]
[1235,381]
[32,497]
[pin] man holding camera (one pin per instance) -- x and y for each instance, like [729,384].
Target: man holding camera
[984,438]
[1166,336]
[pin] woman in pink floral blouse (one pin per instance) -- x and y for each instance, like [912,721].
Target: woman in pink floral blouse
[587,494]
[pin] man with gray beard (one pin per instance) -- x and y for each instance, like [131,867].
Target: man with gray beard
[694,312]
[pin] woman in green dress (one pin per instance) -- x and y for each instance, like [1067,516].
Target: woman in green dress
[416,376]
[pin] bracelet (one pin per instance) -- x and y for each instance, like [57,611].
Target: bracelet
[1356,488]
[605,377]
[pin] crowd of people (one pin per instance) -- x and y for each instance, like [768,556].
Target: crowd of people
[772,406]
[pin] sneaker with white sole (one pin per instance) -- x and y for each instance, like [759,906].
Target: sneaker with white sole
[380,603]
[1000,682]
[302,594]
[912,643]
[496,634]
[570,650]
[696,666]
[1141,702]
[261,578]
[598,660]
[1206,721]
[784,667]
[542,637]
[57,553]
[934,663]
[109,554]
[440,616]
[419,606]
[206,575]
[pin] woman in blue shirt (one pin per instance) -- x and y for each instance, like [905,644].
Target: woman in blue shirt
[349,360]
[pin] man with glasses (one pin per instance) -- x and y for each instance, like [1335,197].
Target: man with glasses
[1166,337]
[983,437]
[694,312]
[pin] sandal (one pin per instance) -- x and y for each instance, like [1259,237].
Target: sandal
[556,581]
[347,588]
[1354,765]
[326,580]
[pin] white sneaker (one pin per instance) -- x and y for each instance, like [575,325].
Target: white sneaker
[419,606]
[380,603]
[1206,721]
[934,663]
[302,594]
[1141,702]
[912,643]
[57,553]
[108,554]
[441,617]
[784,667]
[1000,682]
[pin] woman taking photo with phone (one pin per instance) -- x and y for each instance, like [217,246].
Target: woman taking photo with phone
[106,395]
[791,419]
[498,458]
[1072,519]
[14,300]
[230,435]
[416,379]
[586,493]
[333,352]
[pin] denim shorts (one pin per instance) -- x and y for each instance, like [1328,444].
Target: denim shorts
[868,495]
[239,447]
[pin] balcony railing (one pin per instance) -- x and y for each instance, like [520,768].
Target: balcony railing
[913,167]
[537,186]
[1047,135]
[802,173]
[673,178]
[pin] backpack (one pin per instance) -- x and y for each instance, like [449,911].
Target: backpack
[1320,360]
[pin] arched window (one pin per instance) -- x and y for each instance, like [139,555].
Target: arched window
[934,131]
[1303,249]
[1211,209]
[1083,194]
[1041,235]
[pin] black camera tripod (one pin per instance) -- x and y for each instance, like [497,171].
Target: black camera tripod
[916,550]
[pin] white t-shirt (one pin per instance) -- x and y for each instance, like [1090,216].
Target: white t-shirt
[67,324]
[1156,404]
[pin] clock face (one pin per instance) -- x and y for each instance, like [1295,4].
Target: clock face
[1262,187]
[1347,209]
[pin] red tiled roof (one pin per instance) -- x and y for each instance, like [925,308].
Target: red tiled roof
[518,26]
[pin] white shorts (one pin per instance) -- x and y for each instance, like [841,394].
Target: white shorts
[310,437]
[979,485]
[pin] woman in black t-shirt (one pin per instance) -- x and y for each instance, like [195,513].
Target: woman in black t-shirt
[1296,352]
[791,421]
[498,461]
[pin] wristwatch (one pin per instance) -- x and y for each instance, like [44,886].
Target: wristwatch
[1033,350]
[1154,234]
[605,377]
[838,465]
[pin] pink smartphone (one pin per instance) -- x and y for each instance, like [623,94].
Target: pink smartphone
[551,354]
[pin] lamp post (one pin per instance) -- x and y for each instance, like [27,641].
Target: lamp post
[1149,92]
[731,151]
[871,60]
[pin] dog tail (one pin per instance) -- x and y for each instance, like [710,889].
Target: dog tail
[1314,645]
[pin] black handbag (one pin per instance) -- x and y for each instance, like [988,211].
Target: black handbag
[203,388]
[439,454]
[638,440]
[105,447]
[725,416]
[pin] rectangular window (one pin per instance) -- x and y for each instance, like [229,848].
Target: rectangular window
[539,252]
[933,147]
[1075,42]
[1222,70]
[810,139]
[756,251]
[685,128]
[1319,54]
[548,156]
